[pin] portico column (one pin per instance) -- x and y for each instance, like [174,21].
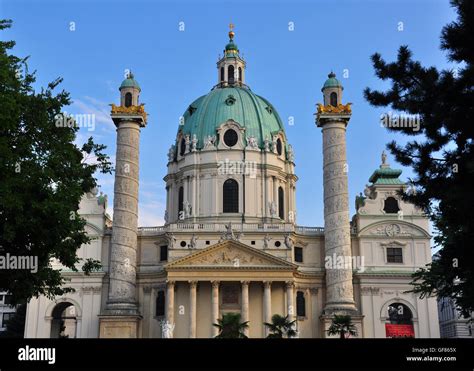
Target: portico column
[170,302]
[245,304]
[267,304]
[290,306]
[192,309]
[215,307]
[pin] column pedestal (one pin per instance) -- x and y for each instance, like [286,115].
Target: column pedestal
[113,326]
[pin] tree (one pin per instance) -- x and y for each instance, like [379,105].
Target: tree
[441,153]
[280,327]
[44,175]
[230,327]
[16,325]
[342,325]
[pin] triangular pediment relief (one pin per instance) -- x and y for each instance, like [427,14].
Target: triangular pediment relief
[231,255]
[394,229]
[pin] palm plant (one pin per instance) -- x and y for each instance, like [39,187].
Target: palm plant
[280,327]
[230,327]
[342,325]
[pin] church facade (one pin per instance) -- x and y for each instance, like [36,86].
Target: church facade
[231,244]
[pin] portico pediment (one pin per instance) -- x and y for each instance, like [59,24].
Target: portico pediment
[232,255]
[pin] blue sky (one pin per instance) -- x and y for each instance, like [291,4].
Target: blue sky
[175,67]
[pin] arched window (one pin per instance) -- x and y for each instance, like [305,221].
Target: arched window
[281,203]
[300,304]
[333,99]
[230,196]
[180,201]
[391,205]
[279,147]
[230,74]
[160,303]
[63,323]
[222,73]
[240,74]
[182,147]
[128,99]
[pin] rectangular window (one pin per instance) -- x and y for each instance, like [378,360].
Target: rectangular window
[163,253]
[230,294]
[394,255]
[8,299]
[7,317]
[300,304]
[160,303]
[299,254]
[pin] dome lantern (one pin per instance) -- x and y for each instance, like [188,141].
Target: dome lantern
[129,91]
[231,67]
[332,90]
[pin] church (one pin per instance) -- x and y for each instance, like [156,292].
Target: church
[230,242]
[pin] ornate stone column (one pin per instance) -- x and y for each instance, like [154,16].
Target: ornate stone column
[122,291]
[245,303]
[192,309]
[290,304]
[332,118]
[267,304]
[215,307]
[121,316]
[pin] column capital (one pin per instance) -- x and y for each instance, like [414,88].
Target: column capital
[170,282]
[267,284]
[290,284]
[193,284]
[215,284]
[245,283]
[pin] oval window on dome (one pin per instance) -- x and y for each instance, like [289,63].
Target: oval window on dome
[279,147]
[230,138]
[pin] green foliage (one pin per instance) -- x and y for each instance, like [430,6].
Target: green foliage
[281,327]
[441,154]
[44,176]
[230,327]
[342,325]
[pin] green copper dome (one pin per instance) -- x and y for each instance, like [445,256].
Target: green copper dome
[207,113]
[231,46]
[332,82]
[130,82]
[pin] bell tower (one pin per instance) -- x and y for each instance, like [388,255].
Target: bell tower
[121,317]
[231,67]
